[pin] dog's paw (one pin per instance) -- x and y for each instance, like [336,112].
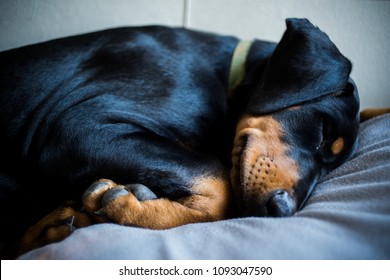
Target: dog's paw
[105,192]
[53,228]
[136,205]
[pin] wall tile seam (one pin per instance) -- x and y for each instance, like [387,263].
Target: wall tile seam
[186,14]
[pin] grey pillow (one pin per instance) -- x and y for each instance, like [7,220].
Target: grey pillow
[346,217]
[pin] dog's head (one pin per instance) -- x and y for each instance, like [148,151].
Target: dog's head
[300,122]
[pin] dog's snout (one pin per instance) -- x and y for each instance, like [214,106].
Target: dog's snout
[281,204]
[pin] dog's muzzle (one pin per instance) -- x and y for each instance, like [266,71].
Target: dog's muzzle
[263,175]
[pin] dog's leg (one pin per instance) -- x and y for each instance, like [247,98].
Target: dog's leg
[209,202]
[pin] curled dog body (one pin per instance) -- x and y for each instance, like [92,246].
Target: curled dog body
[144,127]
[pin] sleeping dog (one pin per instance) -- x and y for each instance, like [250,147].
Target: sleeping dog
[159,127]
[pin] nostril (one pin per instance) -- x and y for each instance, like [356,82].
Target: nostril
[281,204]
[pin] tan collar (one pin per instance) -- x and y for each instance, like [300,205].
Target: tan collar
[237,66]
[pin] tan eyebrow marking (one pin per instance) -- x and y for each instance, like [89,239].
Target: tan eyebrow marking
[337,146]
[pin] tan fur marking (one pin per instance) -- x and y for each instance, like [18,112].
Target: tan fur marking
[337,146]
[263,165]
[212,196]
[209,203]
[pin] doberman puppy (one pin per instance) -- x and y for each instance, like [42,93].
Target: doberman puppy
[168,126]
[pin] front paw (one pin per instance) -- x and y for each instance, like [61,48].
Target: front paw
[104,192]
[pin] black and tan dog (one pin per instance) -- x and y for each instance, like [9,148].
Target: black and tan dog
[186,127]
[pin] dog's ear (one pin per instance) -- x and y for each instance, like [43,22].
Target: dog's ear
[305,65]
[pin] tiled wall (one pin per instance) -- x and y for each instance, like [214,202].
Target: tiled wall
[360,28]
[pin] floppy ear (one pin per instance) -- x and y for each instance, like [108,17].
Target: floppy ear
[305,65]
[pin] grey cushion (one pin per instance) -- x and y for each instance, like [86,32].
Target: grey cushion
[347,217]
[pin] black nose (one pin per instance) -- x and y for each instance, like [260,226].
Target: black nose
[281,204]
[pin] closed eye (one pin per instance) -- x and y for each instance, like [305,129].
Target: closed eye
[323,135]
[329,148]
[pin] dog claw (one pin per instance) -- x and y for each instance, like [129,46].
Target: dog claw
[69,222]
[100,212]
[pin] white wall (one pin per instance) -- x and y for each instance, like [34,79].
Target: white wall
[360,28]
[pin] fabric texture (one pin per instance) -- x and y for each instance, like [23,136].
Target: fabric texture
[346,217]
